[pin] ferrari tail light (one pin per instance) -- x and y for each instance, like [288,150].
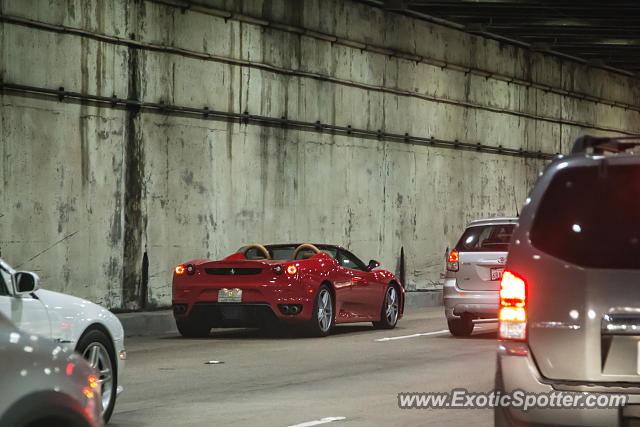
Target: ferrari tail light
[278,269]
[292,269]
[191,269]
[452,261]
[513,307]
[180,269]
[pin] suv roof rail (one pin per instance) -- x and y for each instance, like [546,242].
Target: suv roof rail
[602,144]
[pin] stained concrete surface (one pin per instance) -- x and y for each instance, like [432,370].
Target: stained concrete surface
[102,203]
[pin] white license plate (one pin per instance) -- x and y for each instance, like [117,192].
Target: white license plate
[230,295]
[496,273]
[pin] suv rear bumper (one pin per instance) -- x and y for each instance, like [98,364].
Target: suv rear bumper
[479,304]
[516,370]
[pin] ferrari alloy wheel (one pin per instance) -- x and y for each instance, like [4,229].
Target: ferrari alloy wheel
[325,310]
[391,300]
[97,349]
[322,316]
[390,309]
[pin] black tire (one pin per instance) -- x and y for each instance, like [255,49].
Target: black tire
[97,338]
[461,327]
[316,327]
[389,320]
[193,329]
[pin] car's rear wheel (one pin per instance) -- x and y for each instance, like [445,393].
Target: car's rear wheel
[322,319]
[461,327]
[98,350]
[390,309]
[193,329]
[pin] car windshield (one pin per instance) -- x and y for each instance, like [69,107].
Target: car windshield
[589,217]
[486,238]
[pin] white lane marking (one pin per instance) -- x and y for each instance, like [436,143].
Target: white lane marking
[414,335]
[318,422]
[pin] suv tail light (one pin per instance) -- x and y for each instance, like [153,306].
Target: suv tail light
[513,307]
[452,262]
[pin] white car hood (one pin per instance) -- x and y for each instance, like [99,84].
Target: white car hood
[70,316]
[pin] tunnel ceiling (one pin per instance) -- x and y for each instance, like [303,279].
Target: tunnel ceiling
[601,33]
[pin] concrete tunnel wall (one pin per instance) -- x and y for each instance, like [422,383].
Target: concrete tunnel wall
[103,202]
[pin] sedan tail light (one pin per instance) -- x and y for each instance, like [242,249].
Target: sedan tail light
[452,261]
[513,307]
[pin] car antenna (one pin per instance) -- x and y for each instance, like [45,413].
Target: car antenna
[515,201]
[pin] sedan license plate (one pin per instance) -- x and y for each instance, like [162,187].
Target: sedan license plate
[230,295]
[496,273]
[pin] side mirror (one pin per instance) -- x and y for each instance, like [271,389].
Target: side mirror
[373,264]
[26,282]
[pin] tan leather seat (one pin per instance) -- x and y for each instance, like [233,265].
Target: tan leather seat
[305,254]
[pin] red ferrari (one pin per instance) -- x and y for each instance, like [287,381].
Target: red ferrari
[314,285]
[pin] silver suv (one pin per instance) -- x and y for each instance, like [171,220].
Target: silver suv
[474,270]
[570,293]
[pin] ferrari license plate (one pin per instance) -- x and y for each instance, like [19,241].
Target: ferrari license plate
[230,295]
[496,273]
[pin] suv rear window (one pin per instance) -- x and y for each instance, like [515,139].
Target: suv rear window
[590,216]
[486,238]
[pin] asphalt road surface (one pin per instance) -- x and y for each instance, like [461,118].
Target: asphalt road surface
[293,380]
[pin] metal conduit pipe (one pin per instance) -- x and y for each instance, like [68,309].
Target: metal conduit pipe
[61,95]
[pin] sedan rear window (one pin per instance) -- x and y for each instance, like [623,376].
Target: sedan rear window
[590,216]
[486,238]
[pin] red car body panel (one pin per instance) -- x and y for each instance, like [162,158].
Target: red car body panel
[358,295]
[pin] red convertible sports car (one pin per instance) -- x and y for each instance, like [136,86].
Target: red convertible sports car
[314,285]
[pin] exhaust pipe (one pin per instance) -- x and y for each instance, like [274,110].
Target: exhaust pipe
[290,309]
[180,308]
